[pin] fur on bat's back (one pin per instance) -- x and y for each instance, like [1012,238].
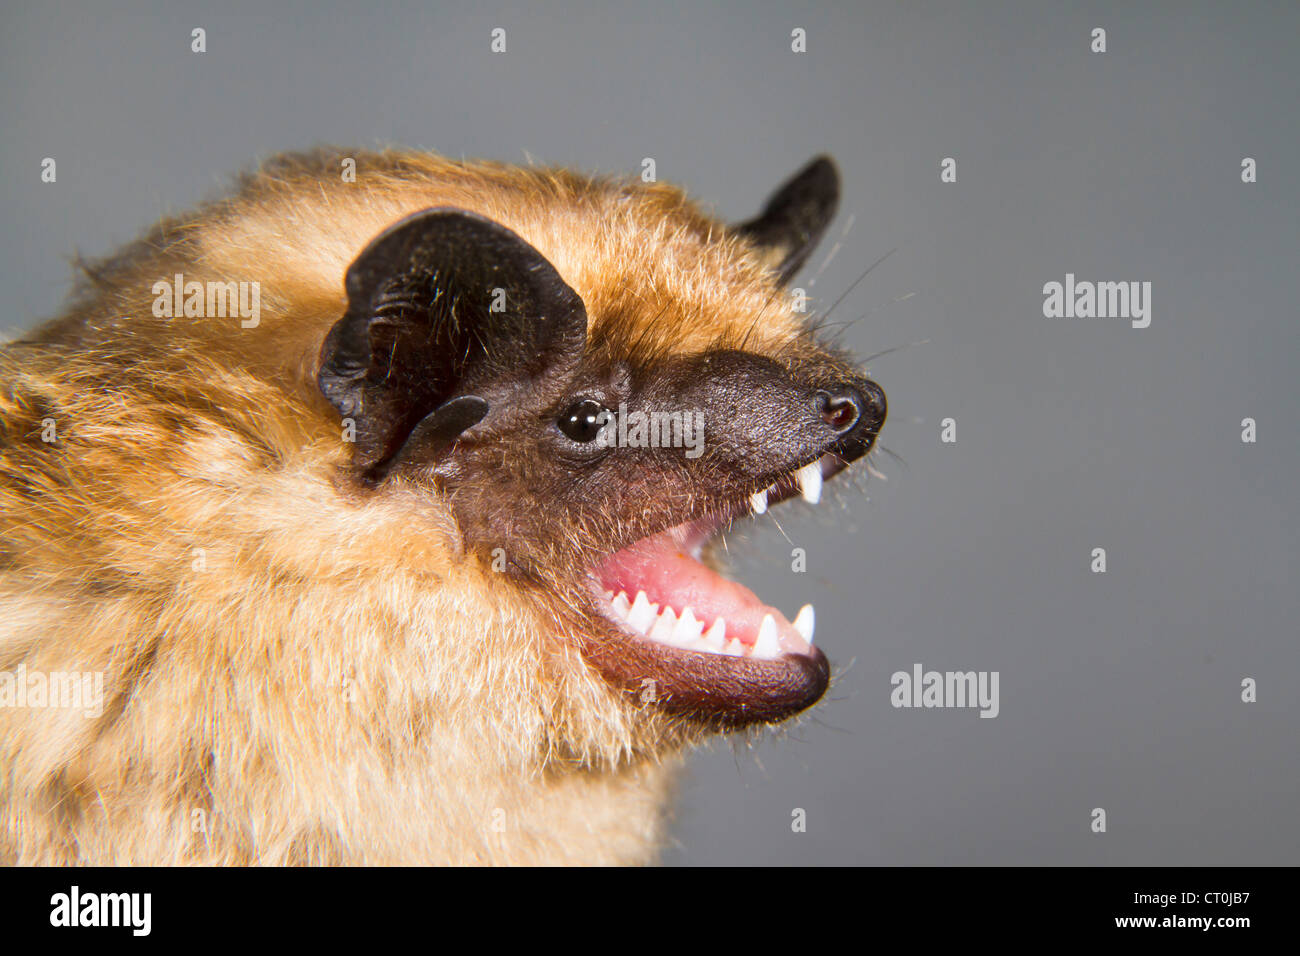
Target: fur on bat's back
[294,672]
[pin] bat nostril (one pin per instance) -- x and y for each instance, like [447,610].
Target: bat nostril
[841,410]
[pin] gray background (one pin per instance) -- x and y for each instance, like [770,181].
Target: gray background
[1118,690]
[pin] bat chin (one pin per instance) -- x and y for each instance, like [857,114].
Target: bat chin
[696,643]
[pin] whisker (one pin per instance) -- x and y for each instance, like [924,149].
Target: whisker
[898,458]
[896,348]
[866,272]
[834,249]
[788,539]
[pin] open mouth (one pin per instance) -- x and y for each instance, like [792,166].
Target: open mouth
[707,645]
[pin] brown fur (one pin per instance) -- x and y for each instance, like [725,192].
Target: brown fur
[296,672]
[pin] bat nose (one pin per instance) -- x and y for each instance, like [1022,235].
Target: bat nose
[841,409]
[855,413]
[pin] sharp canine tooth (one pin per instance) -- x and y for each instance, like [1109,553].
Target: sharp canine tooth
[758,501]
[767,645]
[642,614]
[810,482]
[717,635]
[804,623]
[688,628]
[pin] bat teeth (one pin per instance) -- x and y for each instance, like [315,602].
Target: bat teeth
[663,625]
[688,629]
[804,622]
[716,639]
[810,482]
[621,605]
[718,633]
[642,614]
[767,646]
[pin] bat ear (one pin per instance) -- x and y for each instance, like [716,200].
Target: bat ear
[794,219]
[440,306]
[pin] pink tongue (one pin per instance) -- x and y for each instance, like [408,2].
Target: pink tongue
[669,576]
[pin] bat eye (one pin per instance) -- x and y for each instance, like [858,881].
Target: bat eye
[583,420]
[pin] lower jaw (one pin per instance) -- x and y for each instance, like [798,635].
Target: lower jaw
[727,693]
[666,614]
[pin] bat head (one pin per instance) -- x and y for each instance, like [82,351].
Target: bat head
[592,450]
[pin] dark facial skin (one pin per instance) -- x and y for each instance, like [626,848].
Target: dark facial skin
[440,391]
[520,483]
